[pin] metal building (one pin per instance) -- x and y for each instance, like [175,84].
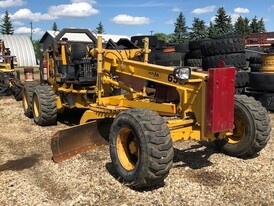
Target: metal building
[21,47]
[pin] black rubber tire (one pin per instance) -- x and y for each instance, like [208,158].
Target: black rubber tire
[223,46]
[17,90]
[170,56]
[260,80]
[184,48]
[242,79]
[197,44]
[255,60]
[5,88]
[27,98]
[195,54]
[194,62]
[153,145]
[254,67]
[153,41]
[237,60]
[250,120]
[44,105]
[169,63]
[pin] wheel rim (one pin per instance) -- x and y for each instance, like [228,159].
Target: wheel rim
[25,101]
[238,131]
[35,106]
[127,148]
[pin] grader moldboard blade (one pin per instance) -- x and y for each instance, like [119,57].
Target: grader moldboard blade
[75,140]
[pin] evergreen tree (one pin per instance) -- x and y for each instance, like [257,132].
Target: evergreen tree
[54,27]
[6,26]
[37,46]
[212,30]
[242,27]
[254,25]
[223,22]
[100,28]
[180,34]
[199,29]
[163,36]
[261,25]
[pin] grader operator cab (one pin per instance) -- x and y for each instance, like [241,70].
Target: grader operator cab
[142,128]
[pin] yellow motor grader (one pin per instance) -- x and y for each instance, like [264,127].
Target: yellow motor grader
[144,122]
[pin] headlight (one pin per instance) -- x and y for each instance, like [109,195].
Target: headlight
[182,73]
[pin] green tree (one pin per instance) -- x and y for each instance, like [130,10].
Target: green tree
[180,34]
[6,26]
[223,22]
[242,27]
[100,28]
[199,29]
[261,25]
[54,26]
[37,46]
[163,36]
[212,30]
[257,26]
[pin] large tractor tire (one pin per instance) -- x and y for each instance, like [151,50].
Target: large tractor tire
[27,98]
[44,105]
[141,148]
[251,129]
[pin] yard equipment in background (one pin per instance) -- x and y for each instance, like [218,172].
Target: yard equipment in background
[261,85]
[141,124]
[10,83]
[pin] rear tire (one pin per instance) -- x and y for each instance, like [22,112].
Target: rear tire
[27,98]
[44,105]
[141,148]
[252,129]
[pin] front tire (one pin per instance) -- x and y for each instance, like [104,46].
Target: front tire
[141,148]
[44,106]
[27,98]
[251,129]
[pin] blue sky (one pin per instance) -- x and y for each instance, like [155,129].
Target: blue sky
[126,17]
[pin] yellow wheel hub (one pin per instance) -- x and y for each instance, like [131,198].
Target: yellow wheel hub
[238,132]
[127,148]
[25,101]
[35,106]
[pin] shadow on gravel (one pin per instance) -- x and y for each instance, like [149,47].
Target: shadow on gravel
[20,164]
[195,157]
[113,173]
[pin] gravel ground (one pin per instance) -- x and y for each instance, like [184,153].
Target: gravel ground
[200,176]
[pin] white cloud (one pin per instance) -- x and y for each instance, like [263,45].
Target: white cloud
[81,9]
[169,22]
[27,30]
[27,14]
[81,1]
[241,10]
[17,23]
[130,20]
[176,9]
[204,10]
[234,18]
[11,3]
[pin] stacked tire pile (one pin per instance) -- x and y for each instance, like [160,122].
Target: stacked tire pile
[229,49]
[255,63]
[153,45]
[194,56]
